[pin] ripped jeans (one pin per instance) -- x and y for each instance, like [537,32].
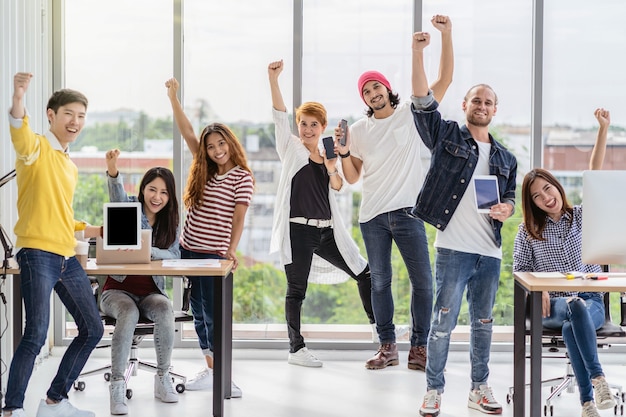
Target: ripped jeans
[454,272]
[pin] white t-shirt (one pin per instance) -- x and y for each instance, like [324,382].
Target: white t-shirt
[470,231]
[392,169]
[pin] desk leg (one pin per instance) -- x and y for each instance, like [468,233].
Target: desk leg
[519,350]
[536,328]
[223,324]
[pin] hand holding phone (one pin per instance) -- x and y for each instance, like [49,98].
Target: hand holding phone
[329,147]
[344,132]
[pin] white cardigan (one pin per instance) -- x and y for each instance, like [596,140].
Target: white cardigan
[294,155]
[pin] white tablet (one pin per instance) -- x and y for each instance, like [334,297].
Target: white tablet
[486,191]
[122,226]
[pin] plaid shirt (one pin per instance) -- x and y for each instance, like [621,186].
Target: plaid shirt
[560,252]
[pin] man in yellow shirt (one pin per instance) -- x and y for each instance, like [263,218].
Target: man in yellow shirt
[46,179]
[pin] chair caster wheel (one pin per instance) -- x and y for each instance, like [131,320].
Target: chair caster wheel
[180,388]
[129,393]
[79,385]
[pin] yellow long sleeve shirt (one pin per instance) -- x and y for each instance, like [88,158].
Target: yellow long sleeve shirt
[46,179]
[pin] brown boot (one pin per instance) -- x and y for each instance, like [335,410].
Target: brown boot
[417,358]
[387,355]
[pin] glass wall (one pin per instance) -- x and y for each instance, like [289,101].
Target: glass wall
[120,54]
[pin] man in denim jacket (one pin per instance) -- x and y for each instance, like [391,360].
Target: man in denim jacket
[468,242]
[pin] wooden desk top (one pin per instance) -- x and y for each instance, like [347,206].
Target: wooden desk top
[153,268]
[615,283]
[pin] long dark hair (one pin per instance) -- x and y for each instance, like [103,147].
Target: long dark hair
[203,168]
[534,217]
[166,222]
[394,100]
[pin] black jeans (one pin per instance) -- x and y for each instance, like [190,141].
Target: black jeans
[306,241]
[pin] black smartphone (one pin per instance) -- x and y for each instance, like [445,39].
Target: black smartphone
[329,147]
[344,129]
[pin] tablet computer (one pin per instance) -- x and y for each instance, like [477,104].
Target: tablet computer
[122,226]
[486,191]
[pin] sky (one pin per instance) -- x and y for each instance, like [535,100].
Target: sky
[120,54]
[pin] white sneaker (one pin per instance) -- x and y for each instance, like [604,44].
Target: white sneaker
[18,412]
[235,391]
[117,397]
[400,331]
[202,381]
[482,399]
[163,389]
[304,358]
[603,395]
[590,410]
[431,404]
[60,409]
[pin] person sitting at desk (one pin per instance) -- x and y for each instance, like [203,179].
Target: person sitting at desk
[143,296]
[550,239]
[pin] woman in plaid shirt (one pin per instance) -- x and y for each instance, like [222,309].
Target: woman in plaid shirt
[550,239]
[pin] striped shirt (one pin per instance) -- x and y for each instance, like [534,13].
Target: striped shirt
[208,227]
[560,252]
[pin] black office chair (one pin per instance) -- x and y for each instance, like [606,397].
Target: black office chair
[144,328]
[553,340]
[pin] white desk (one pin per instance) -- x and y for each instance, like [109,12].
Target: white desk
[525,283]
[222,313]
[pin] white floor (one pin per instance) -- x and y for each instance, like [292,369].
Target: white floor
[342,388]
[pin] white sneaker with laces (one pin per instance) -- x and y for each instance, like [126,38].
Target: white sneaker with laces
[117,397]
[18,412]
[61,409]
[163,388]
[602,394]
[482,399]
[304,358]
[590,410]
[431,404]
[235,391]
[202,381]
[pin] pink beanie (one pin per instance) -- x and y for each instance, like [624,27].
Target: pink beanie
[372,76]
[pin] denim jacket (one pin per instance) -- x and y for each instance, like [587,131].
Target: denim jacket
[117,193]
[454,157]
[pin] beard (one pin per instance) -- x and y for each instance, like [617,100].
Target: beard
[473,120]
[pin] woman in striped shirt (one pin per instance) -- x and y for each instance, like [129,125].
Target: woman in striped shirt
[218,193]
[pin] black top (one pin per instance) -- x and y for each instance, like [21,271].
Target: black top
[309,192]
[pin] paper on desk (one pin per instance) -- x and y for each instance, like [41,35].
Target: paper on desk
[548,274]
[206,263]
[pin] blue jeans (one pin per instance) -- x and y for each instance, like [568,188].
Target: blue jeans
[579,318]
[41,272]
[408,233]
[201,301]
[454,272]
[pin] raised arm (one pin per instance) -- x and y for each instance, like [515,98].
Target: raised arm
[418,80]
[183,123]
[446,62]
[599,148]
[21,81]
[273,70]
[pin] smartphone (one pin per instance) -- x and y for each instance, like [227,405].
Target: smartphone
[329,147]
[344,129]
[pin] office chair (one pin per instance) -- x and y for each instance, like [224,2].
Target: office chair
[144,328]
[554,342]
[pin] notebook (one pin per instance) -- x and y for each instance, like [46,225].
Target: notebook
[120,256]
